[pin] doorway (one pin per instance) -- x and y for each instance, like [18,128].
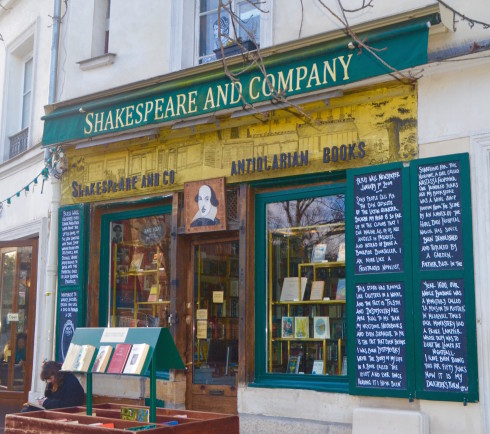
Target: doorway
[18,265]
[213,338]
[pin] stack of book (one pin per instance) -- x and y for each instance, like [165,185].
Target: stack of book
[123,359]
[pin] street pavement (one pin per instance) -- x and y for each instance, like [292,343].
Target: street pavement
[6,409]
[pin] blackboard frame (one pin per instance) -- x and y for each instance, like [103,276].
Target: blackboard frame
[466,274]
[80,287]
[405,277]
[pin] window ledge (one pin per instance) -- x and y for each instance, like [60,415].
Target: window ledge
[97,62]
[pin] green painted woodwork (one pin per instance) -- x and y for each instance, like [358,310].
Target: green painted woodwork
[262,377]
[81,287]
[352,279]
[162,355]
[300,71]
[466,274]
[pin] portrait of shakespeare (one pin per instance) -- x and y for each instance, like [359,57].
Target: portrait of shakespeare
[207,203]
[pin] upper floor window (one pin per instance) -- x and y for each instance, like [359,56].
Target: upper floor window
[100,34]
[241,19]
[26,94]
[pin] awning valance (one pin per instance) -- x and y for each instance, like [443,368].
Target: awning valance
[297,72]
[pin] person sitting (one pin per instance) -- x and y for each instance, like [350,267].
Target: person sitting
[62,389]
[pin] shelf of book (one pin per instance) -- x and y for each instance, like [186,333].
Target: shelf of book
[140,290]
[307,301]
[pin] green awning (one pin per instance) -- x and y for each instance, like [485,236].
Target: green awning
[296,72]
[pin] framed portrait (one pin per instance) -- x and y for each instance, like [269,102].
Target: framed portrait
[204,205]
[117,232]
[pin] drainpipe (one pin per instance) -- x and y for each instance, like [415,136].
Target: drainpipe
[49,299]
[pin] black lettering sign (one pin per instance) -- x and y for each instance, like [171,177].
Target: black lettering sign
[67,321]
[440,219]
[378,222]
[444,336]
[380,336]
[70,247]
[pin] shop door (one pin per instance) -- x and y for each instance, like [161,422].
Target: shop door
[214,335]
[18,264]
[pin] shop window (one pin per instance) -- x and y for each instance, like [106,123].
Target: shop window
[139,264]
[302,237]
[245,23]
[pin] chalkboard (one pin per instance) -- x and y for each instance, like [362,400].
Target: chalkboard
[380,336]
[67,320]
[378,222]
[70,229]
[152,234]
[440,216]
[445,364]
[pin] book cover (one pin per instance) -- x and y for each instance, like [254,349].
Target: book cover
[341,253]
[340,290]
[136,359]
[287,329]
[318,253]
[141,427]
[135,413]
[301,327]
[154,293]
[321,327]
[102,359]
[121,353]
[293,364]
[317,367]
[84,358]
[34,404]
[71,356]
[136,261]
[290,289]
[317,288]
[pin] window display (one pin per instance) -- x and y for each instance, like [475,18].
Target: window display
[140,278]
[306,286]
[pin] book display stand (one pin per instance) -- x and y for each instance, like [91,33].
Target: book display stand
[162,354]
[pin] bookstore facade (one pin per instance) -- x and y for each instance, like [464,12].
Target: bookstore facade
[305,248]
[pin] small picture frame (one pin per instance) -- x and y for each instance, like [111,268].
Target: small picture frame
[117,232]
[204,206]
[287,327]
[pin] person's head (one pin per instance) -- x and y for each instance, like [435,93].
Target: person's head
[21,341]
[224,24]
[206,199]
[117,229]
[51,374]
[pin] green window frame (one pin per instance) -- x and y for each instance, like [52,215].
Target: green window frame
[334,383]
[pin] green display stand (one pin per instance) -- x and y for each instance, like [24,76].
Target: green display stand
[162,355]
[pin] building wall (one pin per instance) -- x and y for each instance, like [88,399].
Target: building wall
[25,25]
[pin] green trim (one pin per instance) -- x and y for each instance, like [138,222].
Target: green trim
[106,219]
[352,279]
[262,377]
[466,274]
[402,46]
[81,287]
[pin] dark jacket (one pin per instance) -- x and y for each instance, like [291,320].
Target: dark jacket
[69,394]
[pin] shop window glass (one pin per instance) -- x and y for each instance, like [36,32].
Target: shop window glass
[305,276]
[140,272]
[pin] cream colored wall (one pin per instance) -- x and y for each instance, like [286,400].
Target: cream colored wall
[139,36]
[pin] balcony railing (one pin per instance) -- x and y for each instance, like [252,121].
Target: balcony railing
[18,142]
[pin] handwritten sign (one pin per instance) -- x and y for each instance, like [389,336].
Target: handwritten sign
[440,227]
[444,336]
[152,234]
[67,320]
[380,336]
[378,221]
[70,247]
